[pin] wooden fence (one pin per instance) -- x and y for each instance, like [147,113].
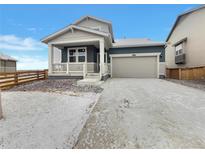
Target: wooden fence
[195,73]
[8,80]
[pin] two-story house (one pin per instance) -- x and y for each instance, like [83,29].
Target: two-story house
[87,49]
[185,48]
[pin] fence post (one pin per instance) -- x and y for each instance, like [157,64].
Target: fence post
[180,73]
[1,112]
[16,78]
[45,74]
[37,74]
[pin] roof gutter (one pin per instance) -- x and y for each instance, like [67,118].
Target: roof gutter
[139,45]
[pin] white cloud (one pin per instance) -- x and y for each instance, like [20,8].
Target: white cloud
[31,62]
[12,42]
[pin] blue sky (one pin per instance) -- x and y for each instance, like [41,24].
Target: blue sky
[22,26]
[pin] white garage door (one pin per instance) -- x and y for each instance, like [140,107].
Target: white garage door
[134,67]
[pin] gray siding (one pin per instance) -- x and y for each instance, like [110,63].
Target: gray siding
[92,53]
[128,50]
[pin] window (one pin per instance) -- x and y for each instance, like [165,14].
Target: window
[81,55]
[77,55]
[72,55]
[179,49]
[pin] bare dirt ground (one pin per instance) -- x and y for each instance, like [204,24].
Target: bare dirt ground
[146,113]
[56,85]
[199,84]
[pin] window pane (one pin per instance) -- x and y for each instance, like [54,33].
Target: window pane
[179,47]
[81,59]
[81,52]
[180,51]
[176,52]
[72,52]
[72,59]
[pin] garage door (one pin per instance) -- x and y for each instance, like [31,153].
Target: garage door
[134,67]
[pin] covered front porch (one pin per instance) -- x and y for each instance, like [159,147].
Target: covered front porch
[84,58]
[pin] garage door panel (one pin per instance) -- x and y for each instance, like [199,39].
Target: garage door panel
[134,67]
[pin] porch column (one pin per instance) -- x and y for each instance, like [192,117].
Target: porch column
[50,58]
[101,57]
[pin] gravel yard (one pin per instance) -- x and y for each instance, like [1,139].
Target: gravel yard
[43,119]
[199,84]
[56,85]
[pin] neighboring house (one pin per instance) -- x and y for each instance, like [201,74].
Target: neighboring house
[7,63]
[87,49]
[186,42]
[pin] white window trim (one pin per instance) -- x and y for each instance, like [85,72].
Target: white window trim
[77,55]
[182,49]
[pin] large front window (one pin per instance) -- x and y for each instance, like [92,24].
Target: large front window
[77,55]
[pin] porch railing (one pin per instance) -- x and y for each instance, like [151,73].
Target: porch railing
[70,68]
[60,68]
[78,68]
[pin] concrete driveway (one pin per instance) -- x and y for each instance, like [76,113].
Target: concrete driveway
[146,113]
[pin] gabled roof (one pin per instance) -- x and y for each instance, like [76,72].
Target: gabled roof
[6,57]
[136,42]
[70,27]
[179,16]
[92,17]
[97,19]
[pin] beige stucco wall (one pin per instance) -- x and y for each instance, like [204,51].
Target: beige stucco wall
[191,26]
[93,23]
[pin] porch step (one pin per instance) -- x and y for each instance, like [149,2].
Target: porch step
[93,76]
[95,82]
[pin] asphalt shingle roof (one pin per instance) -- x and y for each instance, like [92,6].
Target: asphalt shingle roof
[136,42]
